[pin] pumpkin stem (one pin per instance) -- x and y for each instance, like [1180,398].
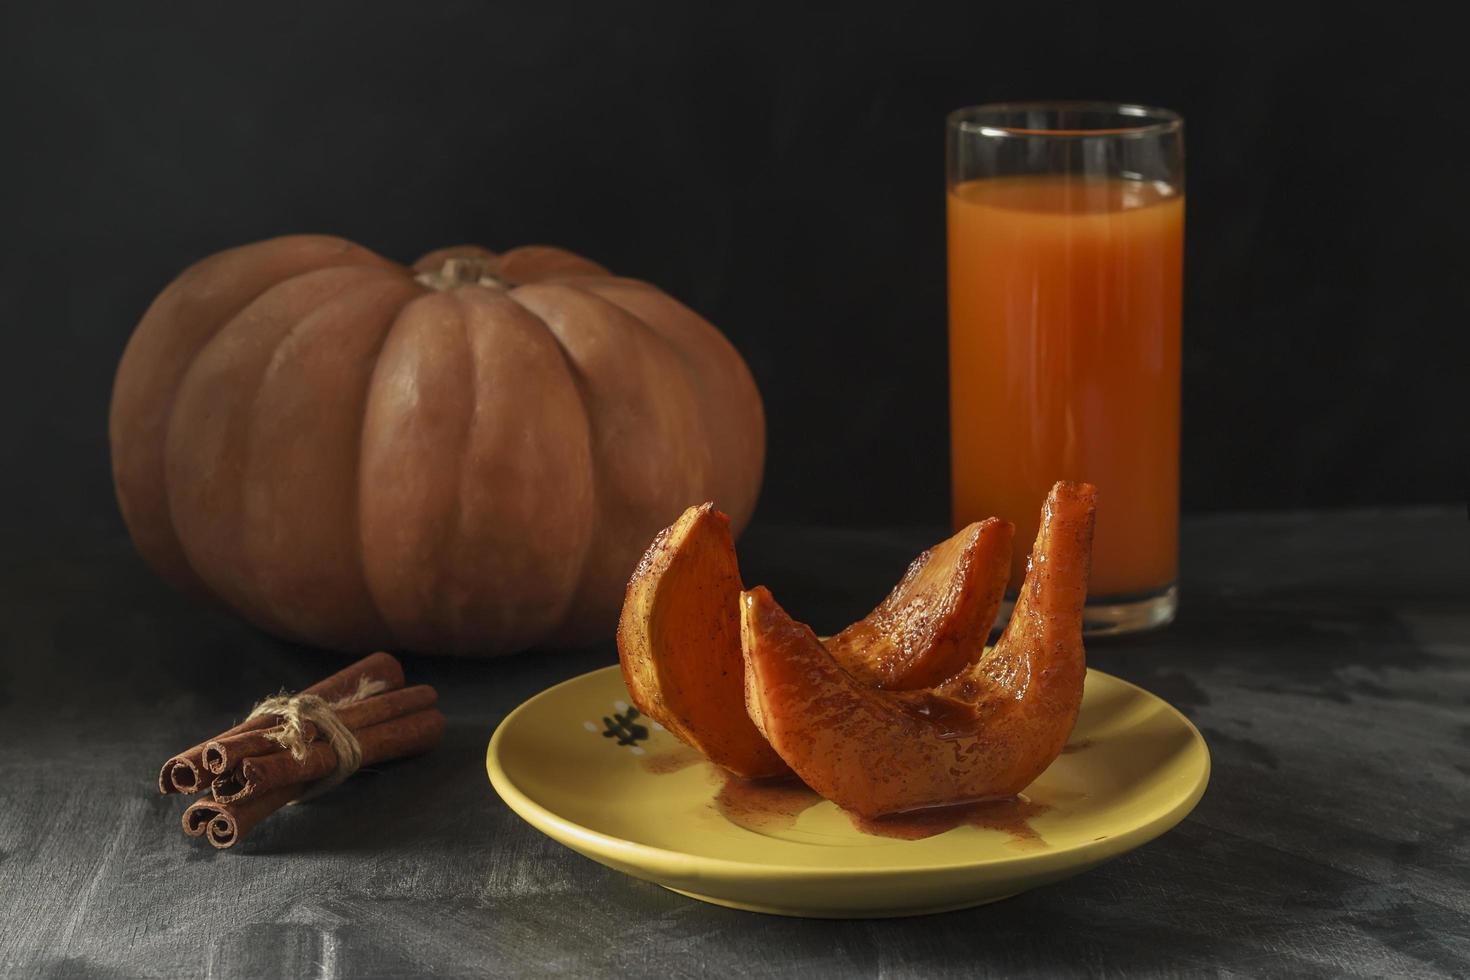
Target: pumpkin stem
[462,270]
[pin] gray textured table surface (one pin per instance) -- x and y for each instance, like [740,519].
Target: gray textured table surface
[1326,658]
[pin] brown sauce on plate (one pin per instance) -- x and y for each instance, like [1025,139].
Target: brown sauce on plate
[663,763]
[1012,817]
[764,805]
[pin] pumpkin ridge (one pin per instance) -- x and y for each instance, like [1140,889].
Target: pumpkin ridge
[456,520]
[443,634]
[686,358]
[678,451]
[464,298]
[272,364]
[739,465]
[516,466]
[190,276]
[392,638]
[276,357]
[705,443]
[183,379]
[360,564]
[579,385]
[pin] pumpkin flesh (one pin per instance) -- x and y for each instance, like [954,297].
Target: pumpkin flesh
[984,734]
[937,618]
[679,643]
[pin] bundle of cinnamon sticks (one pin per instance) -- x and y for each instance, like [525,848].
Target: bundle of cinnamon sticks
[271,759]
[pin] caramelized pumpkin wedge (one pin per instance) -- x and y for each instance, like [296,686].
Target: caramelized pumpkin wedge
[984,734]
[936,620]
[679,643]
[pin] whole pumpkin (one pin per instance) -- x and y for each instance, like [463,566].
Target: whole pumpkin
[467,456]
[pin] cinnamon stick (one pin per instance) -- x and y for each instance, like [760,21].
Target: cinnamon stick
[228,751]
[259,776]
[185,772]
[224,825]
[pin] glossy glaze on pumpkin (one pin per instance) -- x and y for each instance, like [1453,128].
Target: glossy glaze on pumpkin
[936,620]
[679,643]
[352,458]
[984,734]
[679,635]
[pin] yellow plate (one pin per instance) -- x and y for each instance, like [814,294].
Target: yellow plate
[580,766]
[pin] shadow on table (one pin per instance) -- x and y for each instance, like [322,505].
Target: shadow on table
[434,803]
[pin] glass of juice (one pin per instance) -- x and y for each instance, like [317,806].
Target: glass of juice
[1066,240]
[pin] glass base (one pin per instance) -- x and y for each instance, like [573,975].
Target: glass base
[1121,615]
[1130,614]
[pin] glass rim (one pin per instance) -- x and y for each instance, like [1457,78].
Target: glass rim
[1154,121]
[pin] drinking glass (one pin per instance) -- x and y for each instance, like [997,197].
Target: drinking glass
[1066,239]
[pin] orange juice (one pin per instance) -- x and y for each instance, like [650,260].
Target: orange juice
[1064,309]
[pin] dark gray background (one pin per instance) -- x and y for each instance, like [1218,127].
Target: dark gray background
[780,170]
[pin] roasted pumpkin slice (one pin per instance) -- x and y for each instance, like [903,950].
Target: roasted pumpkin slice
[936,620]
[679,643]
[984,734]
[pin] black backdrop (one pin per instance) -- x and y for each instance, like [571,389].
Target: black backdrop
[781,171]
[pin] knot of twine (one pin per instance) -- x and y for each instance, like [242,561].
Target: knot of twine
[304,715]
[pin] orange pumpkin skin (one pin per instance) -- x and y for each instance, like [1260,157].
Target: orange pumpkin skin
[467,456]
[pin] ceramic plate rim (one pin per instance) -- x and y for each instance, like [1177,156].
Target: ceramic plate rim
[647,856]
